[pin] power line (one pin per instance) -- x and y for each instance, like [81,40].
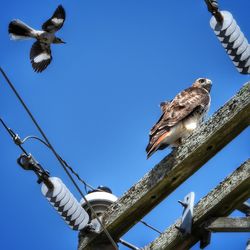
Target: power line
[13,135]
[56,155]
[151,227]
[65,163]
[129,245]
[18,142]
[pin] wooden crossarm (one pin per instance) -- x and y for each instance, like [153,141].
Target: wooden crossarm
[229,121]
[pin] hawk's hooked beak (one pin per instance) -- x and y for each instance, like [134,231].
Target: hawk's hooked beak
[208,85]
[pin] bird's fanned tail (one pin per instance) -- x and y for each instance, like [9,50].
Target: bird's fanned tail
[19,30]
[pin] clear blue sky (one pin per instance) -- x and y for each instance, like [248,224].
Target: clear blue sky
[99,98]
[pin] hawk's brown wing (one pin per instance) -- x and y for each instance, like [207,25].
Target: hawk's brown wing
[184,104]
[164,106]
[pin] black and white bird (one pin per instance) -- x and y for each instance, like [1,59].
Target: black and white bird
[40,53]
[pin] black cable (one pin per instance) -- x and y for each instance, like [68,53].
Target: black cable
[129,245]
[12,134]
[56,155]
[77,176]
[36,138]
[149,226]
[65,163]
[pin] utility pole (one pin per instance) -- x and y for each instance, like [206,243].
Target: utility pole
[228,122]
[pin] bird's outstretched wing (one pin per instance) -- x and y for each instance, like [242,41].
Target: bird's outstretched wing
[40,56]
[56,21]
[175,111]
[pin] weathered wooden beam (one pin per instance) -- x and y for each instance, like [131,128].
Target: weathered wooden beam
[221,201]
[175,168]
[225,224]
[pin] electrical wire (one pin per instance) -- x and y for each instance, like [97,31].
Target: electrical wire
[84,182]
[129,245]
[151,227]
[57,156]
[66,164]
[12,134]
[47,144]
[78,176]
[36,138]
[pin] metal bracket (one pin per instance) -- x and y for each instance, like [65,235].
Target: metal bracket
[213,8]
[94,226]
[16,139]
[245,208]
[187,215]
[28,162]
[205,238]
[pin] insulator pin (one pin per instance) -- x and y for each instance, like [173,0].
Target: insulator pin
[233,40]
[66,204]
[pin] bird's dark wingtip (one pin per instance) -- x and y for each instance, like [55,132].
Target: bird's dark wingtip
[60,7]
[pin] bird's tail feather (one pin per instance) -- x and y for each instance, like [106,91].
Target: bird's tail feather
[19,30]
[153,146]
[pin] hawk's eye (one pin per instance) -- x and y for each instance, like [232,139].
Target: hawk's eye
[201,80]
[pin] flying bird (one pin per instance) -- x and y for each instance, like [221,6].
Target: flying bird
[180,116]
[40,53]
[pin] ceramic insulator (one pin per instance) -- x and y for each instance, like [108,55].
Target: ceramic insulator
[66,204]
[233,40]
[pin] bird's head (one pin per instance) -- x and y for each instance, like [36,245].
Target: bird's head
[203,83]
[58,40]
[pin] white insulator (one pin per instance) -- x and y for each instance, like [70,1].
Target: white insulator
[99,201]
[66,204]
[233,40]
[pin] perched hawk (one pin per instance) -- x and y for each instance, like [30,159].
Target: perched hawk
[40,53]
[180,116]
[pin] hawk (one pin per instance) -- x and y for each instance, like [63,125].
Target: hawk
[40,53]
[180,116]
